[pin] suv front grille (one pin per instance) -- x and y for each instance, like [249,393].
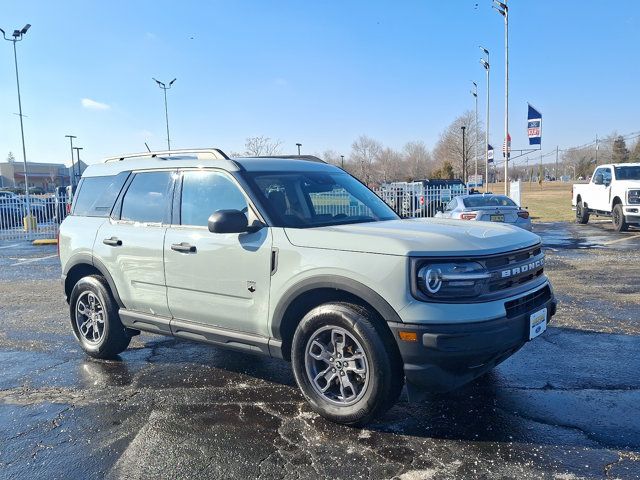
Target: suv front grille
[514,269]
[528,302]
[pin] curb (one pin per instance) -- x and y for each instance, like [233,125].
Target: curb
[45,241]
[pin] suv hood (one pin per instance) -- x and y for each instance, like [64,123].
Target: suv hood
[416,237]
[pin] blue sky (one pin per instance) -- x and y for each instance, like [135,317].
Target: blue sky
[316,72]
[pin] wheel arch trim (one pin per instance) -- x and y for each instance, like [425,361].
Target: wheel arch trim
[333,282]
[89,260]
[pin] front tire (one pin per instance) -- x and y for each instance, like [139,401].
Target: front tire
[347,370]
[95,319]
[582,213]
[619,222]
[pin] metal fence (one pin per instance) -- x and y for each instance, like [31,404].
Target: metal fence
[46,213]
[413,200]
[409,200]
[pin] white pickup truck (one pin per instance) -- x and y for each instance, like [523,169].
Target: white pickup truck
[614,191]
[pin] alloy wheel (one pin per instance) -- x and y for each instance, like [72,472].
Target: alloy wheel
[90,317]
[337,365]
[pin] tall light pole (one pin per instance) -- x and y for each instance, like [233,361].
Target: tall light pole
[298,145]
[166,110]
[73,165]
[487,67]
[17,37]
[77,149]
[464,162]
[474,92]
[504,11]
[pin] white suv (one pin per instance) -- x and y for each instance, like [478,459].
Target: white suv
[296,259]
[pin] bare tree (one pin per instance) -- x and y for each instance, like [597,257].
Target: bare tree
[332,157]
[257,146]
[417,161]
[449,147]
[364,153]
[388,165]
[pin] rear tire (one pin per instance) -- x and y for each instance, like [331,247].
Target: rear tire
[619,222]
[348,371]
[95,319]
[582,213]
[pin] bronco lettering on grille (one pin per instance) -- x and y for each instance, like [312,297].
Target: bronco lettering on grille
[522,268]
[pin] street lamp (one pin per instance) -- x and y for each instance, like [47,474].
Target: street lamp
[166,111]
[298,145]
[474,92]
[16,36]
[342,162]
[487,67]
[77,149]
[463,128]
[73,165]
[503,10]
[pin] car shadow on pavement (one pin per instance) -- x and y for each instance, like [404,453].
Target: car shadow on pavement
[570,387]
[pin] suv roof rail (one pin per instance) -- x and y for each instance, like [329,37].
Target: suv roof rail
[308,158]
[199,153]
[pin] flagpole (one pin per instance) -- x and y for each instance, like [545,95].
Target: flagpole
[487,67]
[503,10]
[506,97]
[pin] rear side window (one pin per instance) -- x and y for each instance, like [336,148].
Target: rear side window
[98,194]
[147,198]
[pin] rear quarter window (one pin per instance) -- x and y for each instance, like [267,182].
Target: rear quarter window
[96,195]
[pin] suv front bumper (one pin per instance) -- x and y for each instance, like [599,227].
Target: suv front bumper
[446,356]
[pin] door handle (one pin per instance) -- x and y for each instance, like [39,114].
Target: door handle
[184,247]
[113,242]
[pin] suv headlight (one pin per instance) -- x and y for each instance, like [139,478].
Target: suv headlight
[452,279]
[633,197]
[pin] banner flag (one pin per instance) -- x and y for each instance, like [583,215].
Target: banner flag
[490,153]
[534,126]
[506,146]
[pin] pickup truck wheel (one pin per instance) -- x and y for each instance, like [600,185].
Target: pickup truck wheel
[345,369]
[582,213]
[619,222]
[95,319]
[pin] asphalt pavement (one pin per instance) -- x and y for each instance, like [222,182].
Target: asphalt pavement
[567,405]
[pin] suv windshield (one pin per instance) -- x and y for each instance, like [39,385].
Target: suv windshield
[628,173]
[316,199]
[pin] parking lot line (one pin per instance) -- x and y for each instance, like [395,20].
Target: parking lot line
[621,239]
[10,246]
[34,260]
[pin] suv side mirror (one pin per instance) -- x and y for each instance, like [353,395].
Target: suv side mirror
[228,221]
[598,179]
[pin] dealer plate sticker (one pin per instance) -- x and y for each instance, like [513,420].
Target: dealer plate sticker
[537,323]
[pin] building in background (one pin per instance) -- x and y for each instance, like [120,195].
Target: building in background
[45,176]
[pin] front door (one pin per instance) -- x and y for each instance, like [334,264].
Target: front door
[214,279]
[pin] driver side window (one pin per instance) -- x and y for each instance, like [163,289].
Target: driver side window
[206,192]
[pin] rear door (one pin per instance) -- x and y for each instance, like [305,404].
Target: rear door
[130,244]
[215,279]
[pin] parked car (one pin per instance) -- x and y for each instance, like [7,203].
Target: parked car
[294,258]
[487,208]
[614,191]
